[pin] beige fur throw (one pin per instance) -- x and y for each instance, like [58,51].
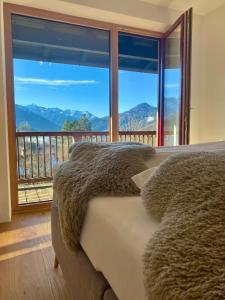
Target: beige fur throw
[95,169]
[185,259]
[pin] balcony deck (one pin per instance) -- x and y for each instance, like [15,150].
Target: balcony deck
[34,192]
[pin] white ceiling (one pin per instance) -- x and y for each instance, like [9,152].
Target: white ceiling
[201,7]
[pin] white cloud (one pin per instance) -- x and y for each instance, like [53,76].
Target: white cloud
[52,82]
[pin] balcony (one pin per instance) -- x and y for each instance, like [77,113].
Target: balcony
[39,152]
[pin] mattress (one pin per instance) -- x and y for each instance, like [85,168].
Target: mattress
[114,237]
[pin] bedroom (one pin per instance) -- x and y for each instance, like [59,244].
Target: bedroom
[206,120]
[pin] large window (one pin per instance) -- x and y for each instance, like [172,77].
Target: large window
[138,82]
[72,79]
[61,76]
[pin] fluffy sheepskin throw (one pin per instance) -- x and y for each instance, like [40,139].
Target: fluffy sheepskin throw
[95,169]
[185,259]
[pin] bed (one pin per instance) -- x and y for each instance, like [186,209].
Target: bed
[115,252]
[123,229]
[114,236]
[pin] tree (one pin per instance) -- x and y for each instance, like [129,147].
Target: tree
[66,126]
[83,124]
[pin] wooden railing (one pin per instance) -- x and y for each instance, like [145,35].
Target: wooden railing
[39,152]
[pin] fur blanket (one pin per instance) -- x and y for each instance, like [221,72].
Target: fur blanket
[185,259]
[95,169]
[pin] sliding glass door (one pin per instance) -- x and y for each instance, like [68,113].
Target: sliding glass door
[61,94]
[71,79]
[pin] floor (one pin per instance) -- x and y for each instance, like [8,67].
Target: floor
[26,260]
[34,192]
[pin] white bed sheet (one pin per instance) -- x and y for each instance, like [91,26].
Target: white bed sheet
[114,236]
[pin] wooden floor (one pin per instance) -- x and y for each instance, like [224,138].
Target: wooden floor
[34,192]
[26,260]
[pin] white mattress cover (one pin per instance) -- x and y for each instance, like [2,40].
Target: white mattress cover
[114,236]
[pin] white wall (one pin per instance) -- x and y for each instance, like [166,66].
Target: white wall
[5,204]
[195,79]
[211,75]
[131,8]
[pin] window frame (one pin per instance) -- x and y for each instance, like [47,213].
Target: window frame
[179,22]
[114,29]
[185,21]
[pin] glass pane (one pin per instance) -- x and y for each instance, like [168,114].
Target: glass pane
[61,87]
[172,88]
[61,76]
[138,87]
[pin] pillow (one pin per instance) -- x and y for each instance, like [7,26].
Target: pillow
[141,178]
[156,159]
[152,164]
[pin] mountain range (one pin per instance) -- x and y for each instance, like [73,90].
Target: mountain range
[37,118]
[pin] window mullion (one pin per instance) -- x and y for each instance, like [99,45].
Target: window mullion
[114,134]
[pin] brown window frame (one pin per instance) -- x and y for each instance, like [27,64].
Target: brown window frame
[113,29]
[185,21]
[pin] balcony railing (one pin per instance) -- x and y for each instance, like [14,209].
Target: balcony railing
[39,152]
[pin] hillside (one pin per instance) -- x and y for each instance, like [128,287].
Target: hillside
[36,122]
[140,117]
[56,115]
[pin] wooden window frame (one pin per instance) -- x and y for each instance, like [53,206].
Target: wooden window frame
[113,29]
[179,22]
[185,21]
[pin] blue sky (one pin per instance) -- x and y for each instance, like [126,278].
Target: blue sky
[79,88]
